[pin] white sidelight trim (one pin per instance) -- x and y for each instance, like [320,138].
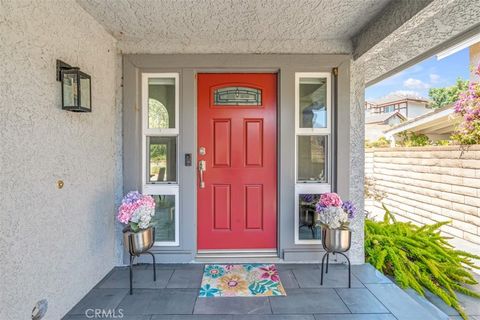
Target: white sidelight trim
[328,77]
[313,187]
[164,131]
[167,190]
[307,188]
[329,162]
[161,188]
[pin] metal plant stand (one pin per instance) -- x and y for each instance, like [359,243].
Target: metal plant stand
[326,270]
[336,241]
[134,254]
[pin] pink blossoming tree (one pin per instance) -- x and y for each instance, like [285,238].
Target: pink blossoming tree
[468,107]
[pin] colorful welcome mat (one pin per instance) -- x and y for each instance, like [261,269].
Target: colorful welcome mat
[241,280]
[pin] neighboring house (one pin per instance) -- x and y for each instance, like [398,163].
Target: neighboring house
[410,106]
[437,125]
[376,124]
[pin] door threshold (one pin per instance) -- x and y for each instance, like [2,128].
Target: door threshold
[238,256]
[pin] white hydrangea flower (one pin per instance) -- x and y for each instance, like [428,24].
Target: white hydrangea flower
[136,216]
[143,216]
[333,217]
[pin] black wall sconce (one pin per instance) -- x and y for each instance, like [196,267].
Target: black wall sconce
[76,88]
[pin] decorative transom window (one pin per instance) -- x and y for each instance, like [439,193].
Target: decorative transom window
[160,133]
[237,96]
[312,150]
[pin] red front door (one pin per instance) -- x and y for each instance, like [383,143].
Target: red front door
[237,140]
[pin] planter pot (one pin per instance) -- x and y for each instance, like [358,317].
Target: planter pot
[139,242]
[336,240]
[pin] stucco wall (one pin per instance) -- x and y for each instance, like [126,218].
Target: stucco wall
[357,159]
[430,184]
[55,243]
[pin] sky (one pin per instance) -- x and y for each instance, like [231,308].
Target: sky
[430,73]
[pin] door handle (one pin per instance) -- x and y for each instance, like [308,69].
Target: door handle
[202,167]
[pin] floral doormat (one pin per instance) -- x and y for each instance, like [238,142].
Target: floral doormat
[241,280]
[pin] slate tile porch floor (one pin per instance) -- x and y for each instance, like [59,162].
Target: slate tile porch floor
[175,296]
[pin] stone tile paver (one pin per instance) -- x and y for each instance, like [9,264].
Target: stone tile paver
[175,296]
[275,317]
[142,279]
[105,299]
[300,301]
[398,302]
[159,301]
[361,301]
[364,316]
[232,305]
[288,279]
[366,273]
[337,277]
[186,278]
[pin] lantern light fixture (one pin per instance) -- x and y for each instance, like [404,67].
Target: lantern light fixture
[76,88]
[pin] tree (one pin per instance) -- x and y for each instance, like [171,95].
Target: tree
[443,96]
[468,107]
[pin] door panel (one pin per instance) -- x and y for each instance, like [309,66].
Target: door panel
[221,143]
[253,142]
[221,207]
[237,127]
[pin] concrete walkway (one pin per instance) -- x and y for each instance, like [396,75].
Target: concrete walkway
[174,296]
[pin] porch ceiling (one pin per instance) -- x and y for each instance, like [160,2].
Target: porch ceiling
[227,26]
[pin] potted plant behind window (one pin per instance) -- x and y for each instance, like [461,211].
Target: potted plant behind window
[136,212]
[334,216]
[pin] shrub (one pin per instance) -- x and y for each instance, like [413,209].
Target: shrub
[412,139]
[419,258]
[443,142]
[381,142]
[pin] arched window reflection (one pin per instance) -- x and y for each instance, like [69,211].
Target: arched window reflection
[157,114]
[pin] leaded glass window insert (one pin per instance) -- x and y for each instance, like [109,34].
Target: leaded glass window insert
[237,96]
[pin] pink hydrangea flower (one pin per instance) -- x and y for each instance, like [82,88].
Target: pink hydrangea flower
[330,200]
[136,208]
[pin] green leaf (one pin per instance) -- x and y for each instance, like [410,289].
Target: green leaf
[420,258]
[134,227]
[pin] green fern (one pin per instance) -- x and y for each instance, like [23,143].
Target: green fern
[420,258]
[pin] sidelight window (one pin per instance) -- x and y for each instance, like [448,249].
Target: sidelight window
[312,150]
[160,136]
[165,218]
[312,158]
[307,229]
[162,159]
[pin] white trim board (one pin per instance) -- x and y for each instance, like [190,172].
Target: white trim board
[162,188]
